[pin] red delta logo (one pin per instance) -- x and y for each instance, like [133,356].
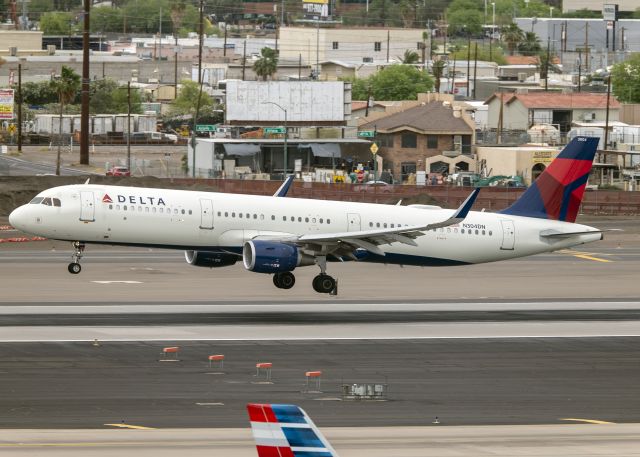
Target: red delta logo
[106,199]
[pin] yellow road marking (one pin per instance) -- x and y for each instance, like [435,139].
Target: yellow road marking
[588,421]
[135,427]
[588,257]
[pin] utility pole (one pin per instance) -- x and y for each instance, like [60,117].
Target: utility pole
[160,37]
[84,115]
[606,122]
[388,43]
[468,63]
[200,34]
[579,71]
[475,69]
[224,51]
[546,65]
[19,108]
[586,47]
[129,126]
[244,58]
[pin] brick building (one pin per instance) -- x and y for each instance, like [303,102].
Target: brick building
[432,134]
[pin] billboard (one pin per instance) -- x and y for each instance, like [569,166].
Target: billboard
[255,102]
[6,104]
[610,11]
[316,8]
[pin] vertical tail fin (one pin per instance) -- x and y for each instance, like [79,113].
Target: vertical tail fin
[558,191]
[286,431]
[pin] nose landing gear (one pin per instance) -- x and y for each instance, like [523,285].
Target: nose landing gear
[74,267]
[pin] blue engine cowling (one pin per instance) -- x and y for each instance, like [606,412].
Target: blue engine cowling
[273,257]
[211,259]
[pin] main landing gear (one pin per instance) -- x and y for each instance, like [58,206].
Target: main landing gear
[74,267]
[323,283]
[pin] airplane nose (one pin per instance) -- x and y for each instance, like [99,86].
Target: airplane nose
[17,218]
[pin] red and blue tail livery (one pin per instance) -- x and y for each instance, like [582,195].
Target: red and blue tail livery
[286,431]
[558,191]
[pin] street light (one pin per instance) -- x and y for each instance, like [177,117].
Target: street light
[286,134]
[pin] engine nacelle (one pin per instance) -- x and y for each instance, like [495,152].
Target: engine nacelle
[273,257]
[210,259]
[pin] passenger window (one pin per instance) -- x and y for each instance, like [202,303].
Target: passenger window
[248,216]
[153,210]
[139,209]
[328,221]
[255,216]
[56,202]
[240,215]
[306,219]
[483,232]
[293,219]
[462,231]
[132,208]
[124,207]
[284,218]
[378,224]
[226,214]
[273,218]
[299,219]
[146,209]
[455,230]
[370,224]
[36,201]
[161,210]
[190,212]
[477,231]
[392,225]
[219,213]
[321,221]
[262,217]
[384,225]
[448,230]
[233,214]
[490,233]
[175,211]
[110,206]
[313,220]
[183,211]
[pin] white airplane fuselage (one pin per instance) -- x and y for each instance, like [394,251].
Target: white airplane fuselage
[202,221]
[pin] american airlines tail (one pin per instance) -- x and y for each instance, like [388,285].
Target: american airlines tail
[558,191]
[286,431]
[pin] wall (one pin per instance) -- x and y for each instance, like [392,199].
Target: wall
[24,41]
[509,161]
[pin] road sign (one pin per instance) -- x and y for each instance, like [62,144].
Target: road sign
[274,130]
[374,148]
[205,128]
[366,134]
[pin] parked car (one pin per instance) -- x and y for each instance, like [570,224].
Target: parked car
[118,171]
[374,186]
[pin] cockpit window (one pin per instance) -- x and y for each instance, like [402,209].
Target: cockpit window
[47,201]
[56,202]
[36,200]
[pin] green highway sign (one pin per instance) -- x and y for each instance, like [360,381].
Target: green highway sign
[274,130]
[205,128]
[366,134]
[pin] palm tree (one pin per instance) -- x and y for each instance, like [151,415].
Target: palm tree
[267,64]
[66,85]
[438,70]
[410,57]
[512,35]
[530,45]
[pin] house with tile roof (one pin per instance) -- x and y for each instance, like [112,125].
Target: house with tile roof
[520,111]
[433,134]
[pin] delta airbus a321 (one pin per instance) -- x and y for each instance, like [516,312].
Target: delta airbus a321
[276,235]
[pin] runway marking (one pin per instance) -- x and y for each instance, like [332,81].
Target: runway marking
[129,426]
[585,255]
[117,282]
[588,421]
[210,404]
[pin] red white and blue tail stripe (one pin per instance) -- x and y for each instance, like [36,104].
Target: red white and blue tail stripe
[286,431]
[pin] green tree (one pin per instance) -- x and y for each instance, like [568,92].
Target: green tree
[625,79]
[187,100]
[107,97]
[267,64]
[410,57]
[38,7]
[66,86]
[106,19]
[530,45]
[395,82]
[177,12]
[486,53]
[512,35]
[39,93]
[438,71]
[465,21]
[57,24]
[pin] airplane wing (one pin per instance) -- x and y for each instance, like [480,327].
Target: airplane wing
[551,233]
[346,242]
[284,188]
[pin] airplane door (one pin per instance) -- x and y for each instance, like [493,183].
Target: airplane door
[206,214]
[354,222]
[87,206]
[508,235]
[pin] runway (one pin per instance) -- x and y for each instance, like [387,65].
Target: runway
[506,355]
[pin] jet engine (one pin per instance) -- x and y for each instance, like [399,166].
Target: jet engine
[273,257]
[210,259]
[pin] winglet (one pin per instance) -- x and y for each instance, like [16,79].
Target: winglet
[277,429]
[464,209]
[284,188]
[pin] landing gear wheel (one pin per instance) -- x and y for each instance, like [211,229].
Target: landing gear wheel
[323,284]
[74,268]
[284,280]
[287,280]
[78,249]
